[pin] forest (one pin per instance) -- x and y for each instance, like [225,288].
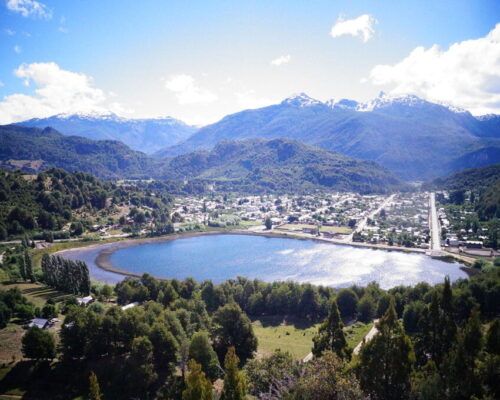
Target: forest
[171,339]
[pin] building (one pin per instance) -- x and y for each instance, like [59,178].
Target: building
[40,323]
[84,301]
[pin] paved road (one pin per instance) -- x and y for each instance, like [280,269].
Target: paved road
[434,225]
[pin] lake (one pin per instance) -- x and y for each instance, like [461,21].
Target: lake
[221,257]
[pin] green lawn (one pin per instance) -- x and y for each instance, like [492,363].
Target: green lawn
[356,332]
[292,336]
[344,230]
[296,336]
[37,293]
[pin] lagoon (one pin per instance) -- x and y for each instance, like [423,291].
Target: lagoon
[225,256]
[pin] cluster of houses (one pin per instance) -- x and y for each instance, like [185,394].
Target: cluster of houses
[404,221]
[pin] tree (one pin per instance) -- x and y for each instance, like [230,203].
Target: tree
[327,378]
[268,223]
[38,344]
[198,387]
[366,309]
[94,389]
[203,353]
[386,361]
[233,328]
[28,265]
[347,302]
[140,365]
[265,375]
[22,268]
[331,336]
[234,379]
[165,347]
[5,314]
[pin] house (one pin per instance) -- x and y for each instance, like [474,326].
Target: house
[40,323]
[84,301]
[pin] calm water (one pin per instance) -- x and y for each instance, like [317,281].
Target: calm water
[220,257]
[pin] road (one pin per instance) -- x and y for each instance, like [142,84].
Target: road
[369,336]
[434,225]
[364,221]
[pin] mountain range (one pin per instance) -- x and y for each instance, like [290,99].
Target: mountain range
[278,165]
[146,135]
[414,138]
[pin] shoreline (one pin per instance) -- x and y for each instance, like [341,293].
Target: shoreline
[103,261]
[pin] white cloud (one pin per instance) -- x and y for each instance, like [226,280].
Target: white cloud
[466,75]
[9,32]
[360,27]
[249,99]
[29,8]
[187,91]
[281,60]
[55,91]
[17,49]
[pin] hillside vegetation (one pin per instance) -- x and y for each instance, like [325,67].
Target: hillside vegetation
[280,165]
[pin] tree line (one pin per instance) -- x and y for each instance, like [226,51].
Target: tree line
[66,275]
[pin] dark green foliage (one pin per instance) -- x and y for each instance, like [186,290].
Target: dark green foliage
[366,309]
[330,336]
[94,389]
[386,361]
[233,329]
[201,350]
[347,301]
[66,275]
[279,165]
[39,344]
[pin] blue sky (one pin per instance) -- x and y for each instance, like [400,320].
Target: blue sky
[200,60]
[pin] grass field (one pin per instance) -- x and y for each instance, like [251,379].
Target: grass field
[292,336]
[344,230]
[298,227]
[36,293]
[10,343]
[296,336]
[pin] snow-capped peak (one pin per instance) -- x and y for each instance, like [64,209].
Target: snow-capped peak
[93,114]
[344,104]
[301,100]
[385,100]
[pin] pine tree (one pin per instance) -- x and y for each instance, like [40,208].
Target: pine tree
[94,389]
[201,350]
[198,387]
[234,379]
[386,361]
[331,335]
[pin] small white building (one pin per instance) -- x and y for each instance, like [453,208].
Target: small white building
[40,323]
[84,301]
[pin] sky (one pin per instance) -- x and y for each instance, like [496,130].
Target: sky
[201,60]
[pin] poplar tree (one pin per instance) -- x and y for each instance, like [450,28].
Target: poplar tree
[28,264]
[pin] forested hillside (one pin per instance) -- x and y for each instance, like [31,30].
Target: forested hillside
[280,165]
[34,149]
[53,200]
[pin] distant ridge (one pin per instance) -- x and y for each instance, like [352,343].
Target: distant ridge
[412,137]
[146,135]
